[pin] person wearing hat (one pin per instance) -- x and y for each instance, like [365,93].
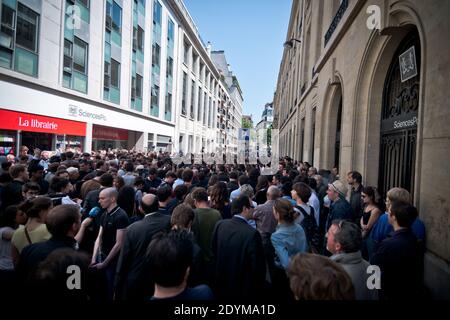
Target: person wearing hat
[339,208]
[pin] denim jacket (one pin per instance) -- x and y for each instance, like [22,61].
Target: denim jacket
[288,240]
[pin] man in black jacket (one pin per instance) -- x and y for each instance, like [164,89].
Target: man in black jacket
[132,280]
[400,257]
[239,264]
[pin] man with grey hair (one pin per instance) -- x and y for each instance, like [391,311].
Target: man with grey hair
[113,224]
[344,242]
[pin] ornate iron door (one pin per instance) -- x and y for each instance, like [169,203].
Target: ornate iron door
[399,117]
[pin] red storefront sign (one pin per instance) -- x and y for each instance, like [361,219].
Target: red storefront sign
[12,120]
[107,133]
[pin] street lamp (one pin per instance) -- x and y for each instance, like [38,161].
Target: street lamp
[290,43]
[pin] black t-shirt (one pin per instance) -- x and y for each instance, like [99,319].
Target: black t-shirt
[201,292]
[111,222]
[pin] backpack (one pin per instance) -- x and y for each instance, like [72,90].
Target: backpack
[309,224]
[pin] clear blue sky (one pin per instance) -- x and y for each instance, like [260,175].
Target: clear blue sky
[252,33]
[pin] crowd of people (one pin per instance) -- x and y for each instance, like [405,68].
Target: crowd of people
[138,227]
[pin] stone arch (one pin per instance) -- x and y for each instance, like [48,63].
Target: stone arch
[333,101]
[378,54]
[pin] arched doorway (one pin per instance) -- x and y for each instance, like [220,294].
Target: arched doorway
[399,117]
[337,144]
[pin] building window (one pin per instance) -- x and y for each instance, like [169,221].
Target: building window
[116,18]
[154,100]
[168,111]
[157,10]
[199,107]
[184,95]
[186,54]
[115,73]
[139,84]
[156,55]
[191,114]
[75,65]
[169,69]
[140,39]
[19,38]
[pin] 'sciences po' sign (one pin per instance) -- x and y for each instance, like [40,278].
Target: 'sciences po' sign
[12,120]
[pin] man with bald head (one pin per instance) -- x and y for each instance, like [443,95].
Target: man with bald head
[113,224]
[132,279]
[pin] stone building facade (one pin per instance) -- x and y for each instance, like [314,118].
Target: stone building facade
[364,86]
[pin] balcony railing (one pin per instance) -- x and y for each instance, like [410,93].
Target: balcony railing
[337,18]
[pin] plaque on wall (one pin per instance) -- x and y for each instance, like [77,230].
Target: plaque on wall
[408,65]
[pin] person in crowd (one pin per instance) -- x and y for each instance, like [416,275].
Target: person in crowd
[344,242]
[371,212]
[312,171]
[400,257]
[51,277]
[276,180]
[188,177]
[253,175]
[30,190]
[63,223]
[354,179]
[164,195]
[12,218]
[179,180]
[261,190]
[169,179]
[182,219]
[286,191]
[37,176]
[233,184]
[113,224]
[204,222]
[152,182]
[91,201]
[382,228]
[314,277]
[62,188]
[51,171]
[132,282]
[313,200]
[239,268]
[126,199]
[23,152]
[170,261]
[243,180]
[219,199]
[339,208]
[179,193]
[289,237]
[12,193]
[129,176]
[34,230]
[266,222]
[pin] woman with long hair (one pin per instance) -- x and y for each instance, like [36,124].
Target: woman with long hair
[261,190]
[219,199]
